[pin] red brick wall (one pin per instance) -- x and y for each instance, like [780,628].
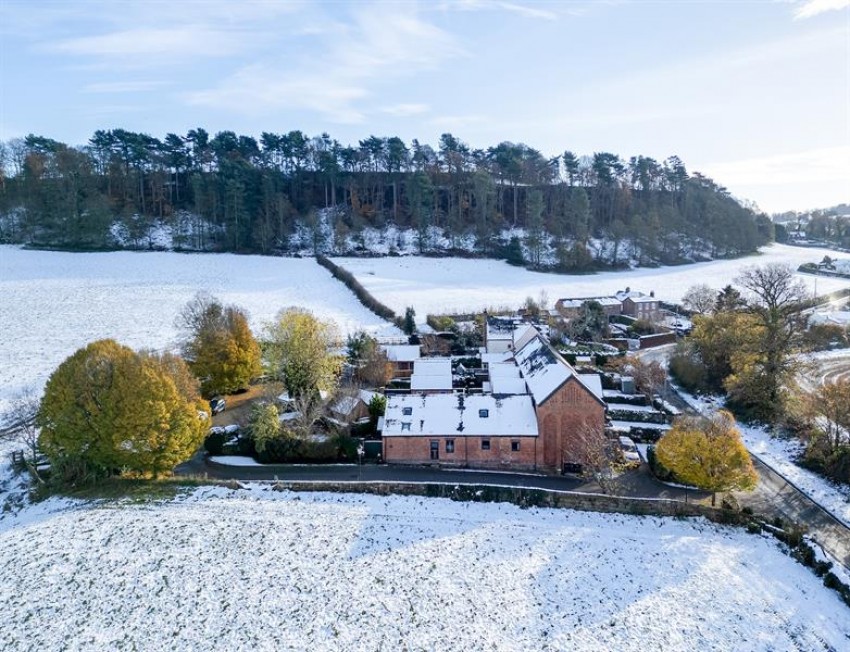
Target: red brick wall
[563,419]
[417,450]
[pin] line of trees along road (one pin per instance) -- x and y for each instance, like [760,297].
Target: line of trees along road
[237,193]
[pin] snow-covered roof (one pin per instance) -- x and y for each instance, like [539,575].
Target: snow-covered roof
[455,414]
[401,352]
[495,358]
[838,317]
[431,374]
[503,370]
[622,295]
[642,299]
[593,382]
[523,335]
[286,398]
[432,367]
[578,302]
[366,395]
[507,385]
[543,370]
[430,383]
[345,405]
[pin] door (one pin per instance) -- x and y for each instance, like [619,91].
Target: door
[435,449]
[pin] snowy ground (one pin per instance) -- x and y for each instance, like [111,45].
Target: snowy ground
[780,455]
[51,303]
[440,285]
[259,570]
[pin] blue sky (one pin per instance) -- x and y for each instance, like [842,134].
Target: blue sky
[754,94]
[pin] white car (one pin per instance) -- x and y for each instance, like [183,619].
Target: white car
[630,451]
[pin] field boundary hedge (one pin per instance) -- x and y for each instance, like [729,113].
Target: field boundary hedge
[363,295]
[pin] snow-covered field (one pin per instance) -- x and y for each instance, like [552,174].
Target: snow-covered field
[260,570]
[51,303]
[440,285]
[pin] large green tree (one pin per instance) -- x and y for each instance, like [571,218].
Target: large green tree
[219,345]
[774,300]
[108,408]
[707,452]
[299,350]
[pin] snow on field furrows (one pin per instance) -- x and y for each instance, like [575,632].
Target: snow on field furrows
[52,303]
[260,570]
[460,284]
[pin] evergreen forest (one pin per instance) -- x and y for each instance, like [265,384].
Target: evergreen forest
[289,193]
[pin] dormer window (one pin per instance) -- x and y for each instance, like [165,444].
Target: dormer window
[407,411]
[405,425]
[483,413]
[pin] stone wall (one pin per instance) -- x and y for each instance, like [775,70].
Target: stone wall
[524,497]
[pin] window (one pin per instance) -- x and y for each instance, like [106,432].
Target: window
[435,449]
[450,445]
[407,411]
[514,446]
[405,425]
[483,414]
[485,444]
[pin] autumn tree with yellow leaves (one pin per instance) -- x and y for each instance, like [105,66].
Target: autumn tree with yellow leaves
[107,408]
[298,350]
[218,345]
[707,452]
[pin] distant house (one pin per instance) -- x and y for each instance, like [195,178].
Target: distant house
[536,412]
[639,305]
[349,409]
[571,308]
[646,308]
[402,357]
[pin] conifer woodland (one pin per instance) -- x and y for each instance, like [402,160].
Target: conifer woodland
[230,192]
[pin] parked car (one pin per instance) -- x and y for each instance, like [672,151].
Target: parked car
[217,405]
[630,451]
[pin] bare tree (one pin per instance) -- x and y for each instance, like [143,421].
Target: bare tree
[776,299]
[308,409]
[600,455]
[700,299]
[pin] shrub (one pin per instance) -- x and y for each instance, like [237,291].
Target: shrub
[658,470]
[688,372]
[214,443]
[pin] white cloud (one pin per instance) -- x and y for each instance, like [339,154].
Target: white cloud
[261,89]
[159,43]
[458,121]
[810,166]
[405,110]
[811,8]
[375,47]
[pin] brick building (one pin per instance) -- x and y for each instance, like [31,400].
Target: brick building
[536,413]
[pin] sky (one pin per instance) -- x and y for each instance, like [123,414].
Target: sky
[754,94]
